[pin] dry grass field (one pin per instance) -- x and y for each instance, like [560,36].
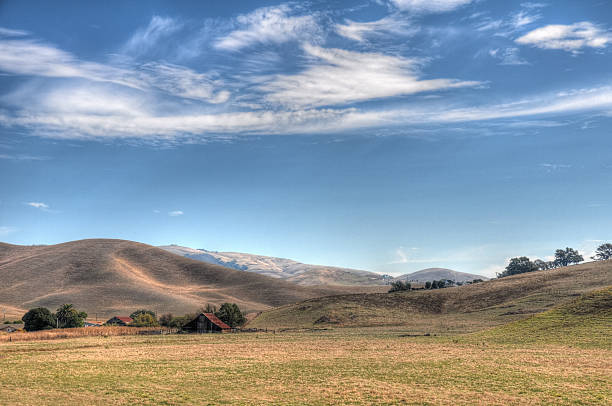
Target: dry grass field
[343,366]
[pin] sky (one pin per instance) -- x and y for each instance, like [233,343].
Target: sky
[387,135]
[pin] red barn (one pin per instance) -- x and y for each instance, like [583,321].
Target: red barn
[206,323]
[119,321]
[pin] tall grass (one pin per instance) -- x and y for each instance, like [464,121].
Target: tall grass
[80,332]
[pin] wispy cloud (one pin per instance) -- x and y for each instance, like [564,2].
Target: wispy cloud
[175,213]
[337,76]
[360,31]
[39,205]
[550,167]
[6,230]
[429,6]
[508,56]
[570,38]
[22,157]
[146,38]
[274,25]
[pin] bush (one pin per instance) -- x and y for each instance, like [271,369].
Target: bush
[39,318]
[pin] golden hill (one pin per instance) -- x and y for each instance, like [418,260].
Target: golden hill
[451,310]
[104,277]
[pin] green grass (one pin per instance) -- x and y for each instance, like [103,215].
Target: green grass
[585,321]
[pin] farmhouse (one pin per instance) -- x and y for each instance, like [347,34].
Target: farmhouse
[206,323]
[119,321]
[8,329]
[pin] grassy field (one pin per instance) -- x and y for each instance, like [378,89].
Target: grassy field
[342,366]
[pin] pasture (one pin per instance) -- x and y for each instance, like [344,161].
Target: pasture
[339,366]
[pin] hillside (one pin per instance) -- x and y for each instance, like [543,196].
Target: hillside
[431,274]
[586,320]
[460,309]
[282,268]
[115,276]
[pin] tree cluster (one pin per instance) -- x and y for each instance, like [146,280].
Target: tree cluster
[399,286]
[563,257]
[41,318]
[229,313]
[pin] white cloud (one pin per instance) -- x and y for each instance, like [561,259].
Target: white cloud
[269,25]
[508,56]
[429,6]
[175,213]
[38,205]
[22,157]
[338,76]
[6,230]
[7,32]
[29,57]
[394,24]
[567,37]
[146,38]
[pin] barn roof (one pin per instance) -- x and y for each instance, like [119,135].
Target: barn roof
[215,320]
[125,319]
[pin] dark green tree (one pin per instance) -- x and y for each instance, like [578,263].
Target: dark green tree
[230,314]
[39,318]
[434,285]
[398,286]
[68,317]
[428,285]
[165,319]
[603,252]
[568,256]
[517,266]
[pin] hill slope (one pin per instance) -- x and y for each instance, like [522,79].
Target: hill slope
[461,309]
[431,274]
[116,276]
[586,320]
[282,268]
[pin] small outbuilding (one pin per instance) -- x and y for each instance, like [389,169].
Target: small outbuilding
[119,321]
[206,323]
[8,329]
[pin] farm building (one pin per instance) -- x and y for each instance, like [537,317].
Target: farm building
[8,329]
[119,321]
[206,323]
[92,324]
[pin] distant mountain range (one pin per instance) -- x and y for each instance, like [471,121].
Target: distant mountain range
[282,268]
[431,274]
[311,275]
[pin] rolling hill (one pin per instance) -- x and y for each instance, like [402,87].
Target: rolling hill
[282,268]
[584,321]
[106,277]
[452,310]
[431,274]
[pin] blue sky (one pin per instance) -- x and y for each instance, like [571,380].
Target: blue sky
[382,135]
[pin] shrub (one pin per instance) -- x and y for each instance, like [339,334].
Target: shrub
[165,319]
[143,311]
[399,286]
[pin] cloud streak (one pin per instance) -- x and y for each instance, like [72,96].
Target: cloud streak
[570,38]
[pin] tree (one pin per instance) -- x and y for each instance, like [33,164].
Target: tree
[399,286]
[69,317]
[230,314]
[567,257]
[603,252]
[165,319]
[428,285]
[434,285]
[143,311]
[517,266]
[144,320]
[541,265]
[39,318]
[208,309]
